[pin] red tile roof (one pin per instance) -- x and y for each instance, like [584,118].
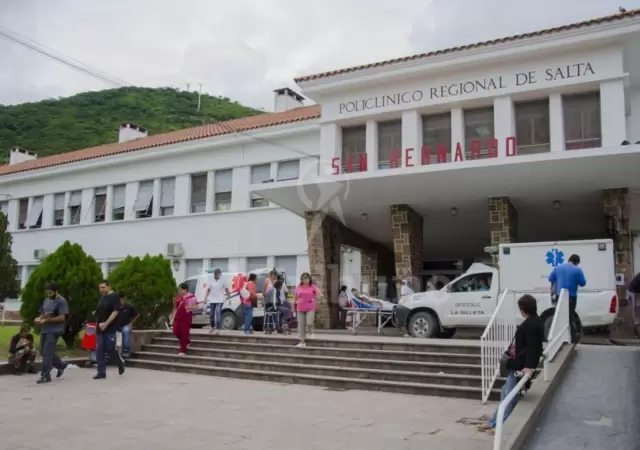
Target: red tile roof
[573,26]
[173,137]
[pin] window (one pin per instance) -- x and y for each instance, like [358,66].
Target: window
[30,270]
[478,125]
[112,266]
[4,208]
[23,211]
[354,144]
[288,265]
[582,128]
[100,204]
[19,277]
[119,197]
[34,216]
[199,193]
[167,196]
[192,285]
[75,207]
[194,267]
[389,142]
[144,200]
[260,174]
[288,170]
[436,131]
[473,283]
[58,210]
[223,185]
[532,127]
[256,262]
[220,263]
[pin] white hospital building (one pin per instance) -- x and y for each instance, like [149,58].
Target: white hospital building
[408,167]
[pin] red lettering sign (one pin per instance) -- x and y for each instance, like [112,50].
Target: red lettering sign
[408,157]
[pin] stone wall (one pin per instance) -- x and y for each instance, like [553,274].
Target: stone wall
[503,221]
[407,230]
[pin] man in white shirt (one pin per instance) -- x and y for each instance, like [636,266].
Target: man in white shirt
[216,294]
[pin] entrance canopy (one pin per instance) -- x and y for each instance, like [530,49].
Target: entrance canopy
[556,195]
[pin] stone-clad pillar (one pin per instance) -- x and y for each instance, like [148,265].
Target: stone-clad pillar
[503,221]
[407,229]
[617,212]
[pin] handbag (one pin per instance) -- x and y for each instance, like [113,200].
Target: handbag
[244,292]
[506,358]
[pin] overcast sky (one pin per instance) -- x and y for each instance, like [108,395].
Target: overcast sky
[243,49]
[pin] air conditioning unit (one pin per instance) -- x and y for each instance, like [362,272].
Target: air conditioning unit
[39,254]
[175,250]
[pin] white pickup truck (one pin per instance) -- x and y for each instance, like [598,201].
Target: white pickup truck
[470,300]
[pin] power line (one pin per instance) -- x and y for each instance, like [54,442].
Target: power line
[14,37]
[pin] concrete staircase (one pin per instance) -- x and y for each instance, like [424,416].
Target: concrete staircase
[439,368]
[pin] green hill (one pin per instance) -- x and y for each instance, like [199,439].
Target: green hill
[50,127]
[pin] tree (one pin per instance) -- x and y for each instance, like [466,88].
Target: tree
[78,276]
[147,283]
[9,283]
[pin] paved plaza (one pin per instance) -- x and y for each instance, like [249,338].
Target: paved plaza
[162,410]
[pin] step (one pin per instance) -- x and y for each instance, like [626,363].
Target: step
[320,340]
[338,383]
[312,349]
[301,358]
[321,370]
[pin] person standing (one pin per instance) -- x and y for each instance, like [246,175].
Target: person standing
[569,276]
[186,303]
[53,314]
[126,318]
[306,294]
[343,304]
[250,302]
[22,351]
[107,319]
[634,300]
[216,294]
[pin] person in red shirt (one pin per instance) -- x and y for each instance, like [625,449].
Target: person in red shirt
[250,302]
[186,302]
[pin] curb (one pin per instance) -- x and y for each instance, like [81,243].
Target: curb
[7,369]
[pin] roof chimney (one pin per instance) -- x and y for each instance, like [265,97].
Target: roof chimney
[130,131]
[19,155]
[287,99]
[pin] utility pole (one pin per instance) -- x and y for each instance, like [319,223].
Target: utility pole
[188,87]
[199,96]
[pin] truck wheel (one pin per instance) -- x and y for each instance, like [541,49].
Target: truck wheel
[447,333]
[423,325]
[229,320]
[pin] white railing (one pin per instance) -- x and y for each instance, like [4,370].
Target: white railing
[559,334]
[496,338]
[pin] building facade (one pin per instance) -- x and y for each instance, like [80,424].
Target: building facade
[407,168]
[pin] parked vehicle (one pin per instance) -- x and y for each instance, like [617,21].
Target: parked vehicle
[470,299]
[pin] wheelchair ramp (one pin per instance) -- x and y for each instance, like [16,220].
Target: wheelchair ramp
[597,404]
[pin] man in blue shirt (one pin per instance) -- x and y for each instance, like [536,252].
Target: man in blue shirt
[569,276]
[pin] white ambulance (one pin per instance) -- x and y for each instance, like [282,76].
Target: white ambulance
[524,268]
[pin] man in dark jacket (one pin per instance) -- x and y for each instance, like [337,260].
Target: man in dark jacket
[525,353]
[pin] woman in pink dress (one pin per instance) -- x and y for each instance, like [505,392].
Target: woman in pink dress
[186,302]
[306,295]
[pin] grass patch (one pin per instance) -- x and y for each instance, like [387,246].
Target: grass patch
[7,332]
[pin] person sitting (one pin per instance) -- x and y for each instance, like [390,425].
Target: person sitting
[22,351]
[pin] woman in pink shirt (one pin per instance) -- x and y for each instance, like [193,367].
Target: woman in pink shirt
[306,294]
[185,304]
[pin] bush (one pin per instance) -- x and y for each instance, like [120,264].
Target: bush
[78,276]
[146,282]
[9,283]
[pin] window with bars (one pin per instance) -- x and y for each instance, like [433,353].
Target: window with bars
[532,127]
[354,144]
[194,267]
[220,263]
[119,198]
[255,263]
[436,133]
[58,210]
[582,124]
[288,265]
[198,193]
[389,143]
[478,126]
[167,196]
[143,206]
[99,204]
[75,207]
[288,170]
[34,215]
[223,187]
[23,212]
[259,174]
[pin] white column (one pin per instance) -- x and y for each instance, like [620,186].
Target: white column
[330,146]
[131,192]
[271,261]
[88,206]
[372,145]
[155,210]
[457,131]
[108,214]
[240,188]
[67,213]
[504,123]
[411,137]
[23,275]
[181,203]
[612,113]
[211,193]
[105,269]
[556,123]
[12,215]
[47,211]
